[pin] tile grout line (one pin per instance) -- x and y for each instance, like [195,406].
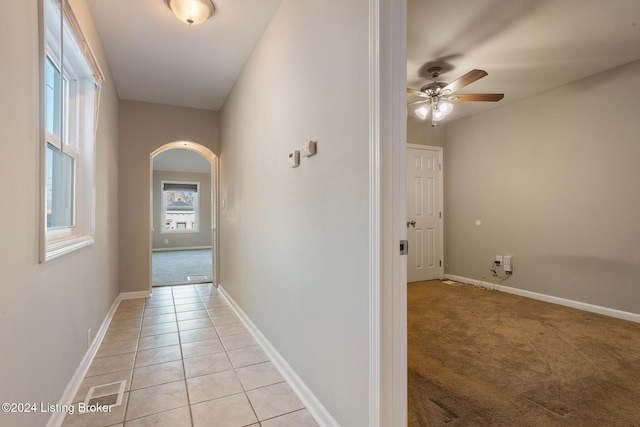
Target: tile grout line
[235,370]
[135,357]
[182,354]
[181,357]
[286,413]
[204,298]
[145,306]
[184,370]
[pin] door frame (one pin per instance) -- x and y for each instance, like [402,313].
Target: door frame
[440,236]
[387,213]
[215,186]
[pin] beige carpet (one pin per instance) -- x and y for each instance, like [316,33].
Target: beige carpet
[484,358]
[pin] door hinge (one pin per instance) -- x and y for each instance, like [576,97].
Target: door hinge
[440,263]
[440,215]
[440,166]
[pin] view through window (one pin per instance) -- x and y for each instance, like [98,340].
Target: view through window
[180,207]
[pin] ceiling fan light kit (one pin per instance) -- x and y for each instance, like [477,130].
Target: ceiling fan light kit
[422,112]
[192,12]
[441,109]
[439,95]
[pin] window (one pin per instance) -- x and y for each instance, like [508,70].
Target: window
[70,99]
[180,207]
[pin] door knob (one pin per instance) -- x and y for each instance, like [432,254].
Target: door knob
[411,223]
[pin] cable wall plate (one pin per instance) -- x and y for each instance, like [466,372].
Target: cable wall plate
[293,161]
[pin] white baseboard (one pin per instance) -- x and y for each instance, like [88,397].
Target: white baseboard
[611,312]
[187,248]
[134,295]
[310,401]
[57,418]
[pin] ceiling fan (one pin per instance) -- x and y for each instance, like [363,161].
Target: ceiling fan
[439,95]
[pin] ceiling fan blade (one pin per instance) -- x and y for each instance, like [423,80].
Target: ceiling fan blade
[491,97]
[417,102]
[416,92]
[465,80]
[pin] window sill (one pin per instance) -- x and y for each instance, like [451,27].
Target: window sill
[61,248]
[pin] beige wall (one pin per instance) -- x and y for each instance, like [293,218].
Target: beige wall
[421,132]
[144,128]
[553,178]
[182,240]
[46,309]
[294,242]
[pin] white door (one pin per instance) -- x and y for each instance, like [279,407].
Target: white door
[424,213]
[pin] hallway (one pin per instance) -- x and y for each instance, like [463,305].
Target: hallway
[187,361]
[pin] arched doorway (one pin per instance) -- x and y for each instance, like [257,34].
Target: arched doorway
[182,226]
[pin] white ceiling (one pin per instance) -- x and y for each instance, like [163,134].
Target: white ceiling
[181,160]
[526,46]
[154,57]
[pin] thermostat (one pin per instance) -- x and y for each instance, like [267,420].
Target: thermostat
[294,159]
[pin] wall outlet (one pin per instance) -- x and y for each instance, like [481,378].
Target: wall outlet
[508,263]
[89,338]
[499,259]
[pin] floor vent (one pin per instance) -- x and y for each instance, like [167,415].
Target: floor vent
[107,394]
[198,278]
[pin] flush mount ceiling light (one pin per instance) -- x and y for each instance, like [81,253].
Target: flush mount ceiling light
[192,11]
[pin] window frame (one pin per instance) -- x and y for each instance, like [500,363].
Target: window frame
[163,209]
[63,44]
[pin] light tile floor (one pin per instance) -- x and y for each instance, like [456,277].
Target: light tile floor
[188,361]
